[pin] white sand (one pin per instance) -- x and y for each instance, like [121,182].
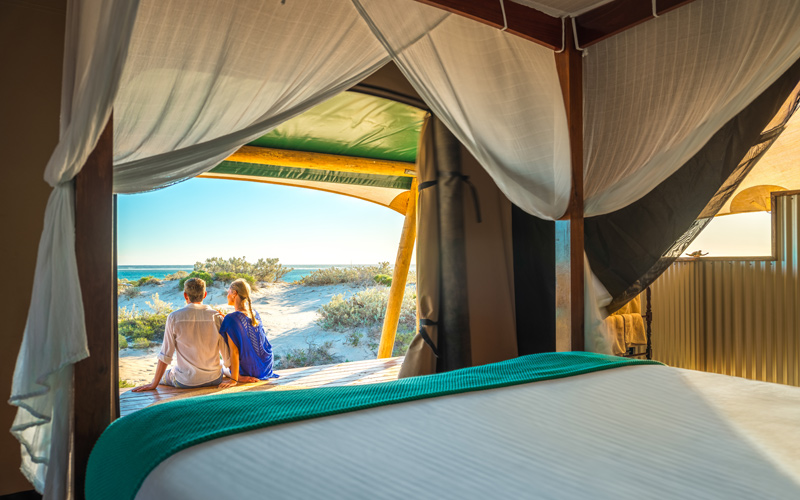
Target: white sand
[289,313]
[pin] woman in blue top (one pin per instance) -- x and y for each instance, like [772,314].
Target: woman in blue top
[251,352]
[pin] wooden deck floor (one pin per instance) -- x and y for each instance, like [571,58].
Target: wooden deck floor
[353,373]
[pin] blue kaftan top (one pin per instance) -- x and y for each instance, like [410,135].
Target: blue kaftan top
[255,351]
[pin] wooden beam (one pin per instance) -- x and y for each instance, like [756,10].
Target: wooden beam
[321,161]
[592,26]
[617,16]
[569,230]
[523,21]
[96,392]
[399,276]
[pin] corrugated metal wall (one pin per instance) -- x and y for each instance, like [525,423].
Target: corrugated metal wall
[735,317]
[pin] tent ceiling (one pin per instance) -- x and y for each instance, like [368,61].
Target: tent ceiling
[346,145]
[352,124]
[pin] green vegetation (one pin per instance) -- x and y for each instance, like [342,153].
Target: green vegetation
[262,270]
[356,275]
[312,356]
[383,279]
[365,311]
[147,280]
[124,384]
[176,276]
[129,291]
[197,274]
[139,329]
[226,277]
[123,342]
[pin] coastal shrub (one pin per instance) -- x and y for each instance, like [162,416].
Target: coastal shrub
[355,275]
[227,277]
[313,355]
[123,342]
[383,279]
[148,280]
[197,274]
[122,284]
[366,308]
[141,343]
[176,276]
[353,338]
[124,384]
[131,292]
[269,270]
[135,325]
[401,342]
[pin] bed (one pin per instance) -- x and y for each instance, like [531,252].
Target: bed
[564,435]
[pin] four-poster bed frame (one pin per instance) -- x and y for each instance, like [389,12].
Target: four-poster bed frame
[96,402]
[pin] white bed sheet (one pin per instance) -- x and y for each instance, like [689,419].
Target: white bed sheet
[634,432]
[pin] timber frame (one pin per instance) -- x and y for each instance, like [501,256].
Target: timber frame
[591,27]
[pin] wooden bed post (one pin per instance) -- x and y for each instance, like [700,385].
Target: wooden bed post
[569,230]
[400,275]
[95,403]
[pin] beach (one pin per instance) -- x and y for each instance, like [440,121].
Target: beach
[288,311]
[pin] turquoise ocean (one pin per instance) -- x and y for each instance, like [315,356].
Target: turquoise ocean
[133,273]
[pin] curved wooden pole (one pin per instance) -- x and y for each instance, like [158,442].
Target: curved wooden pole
[321,161]
[399,276]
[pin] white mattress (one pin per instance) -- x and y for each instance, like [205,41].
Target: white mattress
[633,432]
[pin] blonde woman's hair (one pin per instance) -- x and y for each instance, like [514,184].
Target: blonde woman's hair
[195,289]
[242,288]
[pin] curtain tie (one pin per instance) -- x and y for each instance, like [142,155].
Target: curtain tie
[465,178]
[423,322]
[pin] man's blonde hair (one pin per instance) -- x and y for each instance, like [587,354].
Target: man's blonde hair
[195,288]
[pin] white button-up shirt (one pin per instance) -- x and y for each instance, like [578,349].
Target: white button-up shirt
[193,333]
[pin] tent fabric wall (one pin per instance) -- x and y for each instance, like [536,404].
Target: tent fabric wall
[490,268]
[420,358]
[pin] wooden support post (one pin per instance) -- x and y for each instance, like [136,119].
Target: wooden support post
[569,230]
[400,276]
[455,344]
[96,392]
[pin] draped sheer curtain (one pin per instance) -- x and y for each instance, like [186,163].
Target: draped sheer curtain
[499,94]
[55,334]
[204,78]
[655,94]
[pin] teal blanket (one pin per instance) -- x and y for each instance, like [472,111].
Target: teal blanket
[133,446]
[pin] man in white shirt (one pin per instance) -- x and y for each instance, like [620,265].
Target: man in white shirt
[192,333]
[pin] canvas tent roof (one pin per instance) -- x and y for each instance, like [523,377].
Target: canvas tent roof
[355,127]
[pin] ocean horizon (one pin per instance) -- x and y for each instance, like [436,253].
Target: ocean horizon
[134,272]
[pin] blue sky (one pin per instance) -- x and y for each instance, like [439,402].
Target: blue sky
[203,218]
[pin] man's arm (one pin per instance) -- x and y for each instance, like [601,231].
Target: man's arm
[160,369]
